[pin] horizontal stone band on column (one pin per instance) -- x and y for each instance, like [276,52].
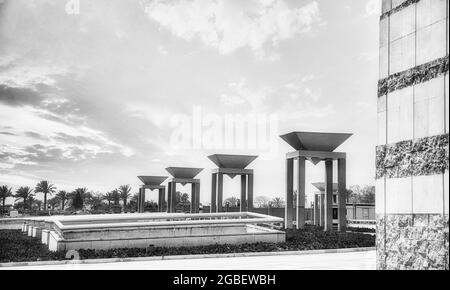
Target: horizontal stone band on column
[425,156]
[413,76]
[398,8]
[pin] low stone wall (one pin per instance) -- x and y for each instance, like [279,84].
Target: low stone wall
[11,224]
[160,230]
[168,237]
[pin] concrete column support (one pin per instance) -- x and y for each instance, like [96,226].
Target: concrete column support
[243,205]
[328,226]
[316,210]
[197,197]
[322,210]
[219,192]
[194,208]
[342,211]
[169,197]
[213,193]
[300,206]
[174,196]
[250,192]
[141,200]
[161,199]
[289,209]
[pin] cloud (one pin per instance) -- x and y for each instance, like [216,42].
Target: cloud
[373,7]
[228,25]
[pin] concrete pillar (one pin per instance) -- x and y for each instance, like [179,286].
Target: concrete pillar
[342,185]
[322,209]
[197,197]
[243,205]
[161,199]
[141,198]
[169,197]
[173,190]
[139,201]
[300,206]
[289,209]
[213,192]
[194,208]
[316,210]
[250,192]
[219,192]
[328,195]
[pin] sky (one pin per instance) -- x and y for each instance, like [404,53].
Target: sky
[95,93]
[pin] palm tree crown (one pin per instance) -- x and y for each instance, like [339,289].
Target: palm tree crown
[24,192]
[124,191]
[62,195]
[46,188]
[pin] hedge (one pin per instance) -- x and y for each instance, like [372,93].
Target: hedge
[16,246]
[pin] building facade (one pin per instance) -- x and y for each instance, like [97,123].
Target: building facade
[413,121]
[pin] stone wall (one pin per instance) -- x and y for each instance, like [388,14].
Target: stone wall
[412,153]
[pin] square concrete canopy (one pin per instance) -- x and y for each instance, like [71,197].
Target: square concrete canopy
[321,186]
[184,172]
[232,161]
[237,163]
[152,180]
[315,141]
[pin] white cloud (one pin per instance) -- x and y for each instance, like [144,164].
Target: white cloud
[162,50]
[373,7]
[228,25]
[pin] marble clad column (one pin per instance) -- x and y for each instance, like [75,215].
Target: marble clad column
[342,211]
[219,192]
[161,199]
[213,193]
[250,193]
[243,205]
[300,206]
[316,210]
[328,195]
[289,209]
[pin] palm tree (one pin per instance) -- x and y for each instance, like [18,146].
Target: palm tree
[46,188]
[109,197]
[80,195]
[95,201]
[124,192]
[24,192]
[116,196]
[4,193]
[53,202]
[63,196]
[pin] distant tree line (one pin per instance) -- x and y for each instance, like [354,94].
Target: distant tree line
[80,199]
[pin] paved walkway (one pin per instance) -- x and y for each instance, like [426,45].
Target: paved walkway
[328,261]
